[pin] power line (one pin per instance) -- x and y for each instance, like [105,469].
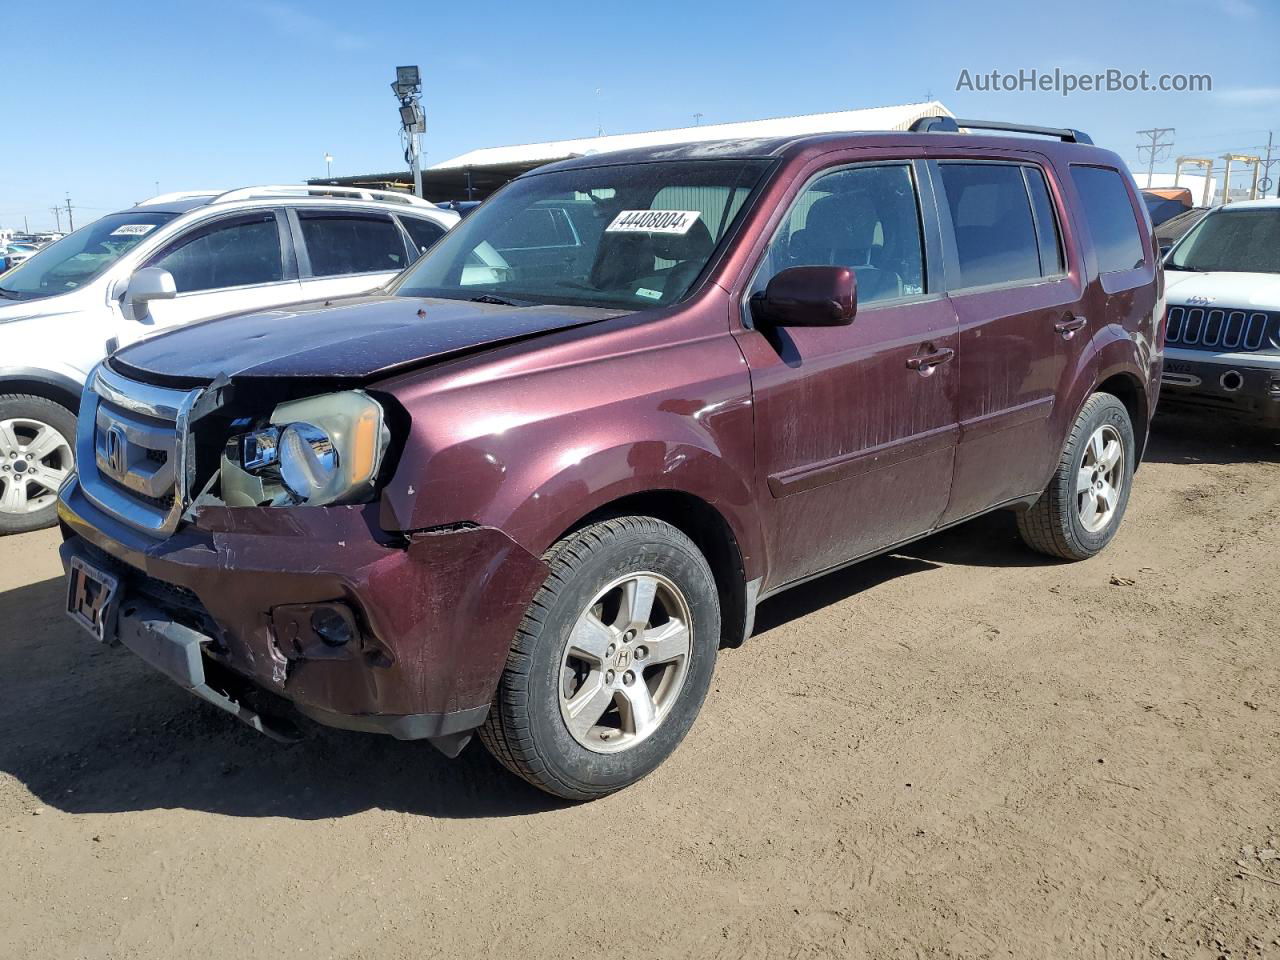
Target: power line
[1154,147]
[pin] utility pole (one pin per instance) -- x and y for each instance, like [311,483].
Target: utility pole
[1265,185]
[1154,147]
[57,216]
[697,119]
[71,223]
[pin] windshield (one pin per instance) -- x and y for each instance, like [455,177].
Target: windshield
[1239,241]
[76,259]
[630,236]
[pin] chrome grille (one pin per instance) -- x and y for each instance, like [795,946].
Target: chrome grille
[1222,330]
[131,450]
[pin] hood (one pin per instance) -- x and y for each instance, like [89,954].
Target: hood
[1244,291]
[358,337]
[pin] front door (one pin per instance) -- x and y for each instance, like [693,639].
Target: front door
[855,425]
[232,264]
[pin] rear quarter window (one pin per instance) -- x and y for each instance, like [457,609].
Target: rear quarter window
[1109,214]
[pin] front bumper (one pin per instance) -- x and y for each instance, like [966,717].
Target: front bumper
[1242,386]
[433,615]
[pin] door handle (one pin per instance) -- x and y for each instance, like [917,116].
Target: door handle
[924,364]
[1069,326]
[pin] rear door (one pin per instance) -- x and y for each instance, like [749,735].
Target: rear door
[230,264]
[346,252]
[1017,283]
[855,425]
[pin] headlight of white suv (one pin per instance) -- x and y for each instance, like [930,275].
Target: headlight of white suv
[318,451]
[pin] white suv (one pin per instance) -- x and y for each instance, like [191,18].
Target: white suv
[1222,280]
[168,261]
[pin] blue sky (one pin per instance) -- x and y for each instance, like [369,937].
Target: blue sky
[105,100]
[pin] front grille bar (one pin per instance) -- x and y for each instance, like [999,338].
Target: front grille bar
[1218,329]
[145,487]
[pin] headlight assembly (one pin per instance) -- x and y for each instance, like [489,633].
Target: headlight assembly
[318,451]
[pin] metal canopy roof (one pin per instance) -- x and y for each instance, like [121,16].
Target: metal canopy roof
[476,174]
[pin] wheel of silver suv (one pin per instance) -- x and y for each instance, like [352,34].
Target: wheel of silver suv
[611,662]
[36,457]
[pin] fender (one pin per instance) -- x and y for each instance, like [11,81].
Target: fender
[61,387]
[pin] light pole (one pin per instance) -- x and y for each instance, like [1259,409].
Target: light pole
[407,87]
[328,167]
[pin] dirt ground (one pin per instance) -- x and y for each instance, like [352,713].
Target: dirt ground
[961,750]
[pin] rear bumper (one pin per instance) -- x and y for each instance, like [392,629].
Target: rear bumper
[1241,386]
[431,617]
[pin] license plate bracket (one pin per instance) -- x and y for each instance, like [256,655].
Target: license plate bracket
[92,598]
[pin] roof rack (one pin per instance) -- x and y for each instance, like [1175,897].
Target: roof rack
[953,124]
[177,195]
[300,190]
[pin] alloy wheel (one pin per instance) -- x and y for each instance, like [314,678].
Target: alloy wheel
[1100,478]
[625,662]
[35,459]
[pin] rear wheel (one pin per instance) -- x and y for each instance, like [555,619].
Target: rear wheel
[36,456]
[1080,511]
[612,661]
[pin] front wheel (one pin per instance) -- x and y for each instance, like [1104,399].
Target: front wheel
[1080,511]
[611,662]
[36,437]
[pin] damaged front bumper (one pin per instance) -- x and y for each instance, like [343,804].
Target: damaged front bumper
[357,628]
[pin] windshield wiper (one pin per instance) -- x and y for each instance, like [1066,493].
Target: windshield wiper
[501,301]
[10,294]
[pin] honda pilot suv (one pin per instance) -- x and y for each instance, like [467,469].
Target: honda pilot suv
[529,494]
[168,261]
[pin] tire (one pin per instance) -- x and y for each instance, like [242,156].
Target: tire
[1071,518]
[37,451]
[533,729]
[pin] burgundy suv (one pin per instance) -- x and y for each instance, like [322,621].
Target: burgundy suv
[532,486]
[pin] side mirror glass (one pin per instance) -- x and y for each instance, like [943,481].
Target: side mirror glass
[151,283]
[808,297]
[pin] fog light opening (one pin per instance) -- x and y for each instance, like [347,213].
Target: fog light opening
[331,627]
[1231,381]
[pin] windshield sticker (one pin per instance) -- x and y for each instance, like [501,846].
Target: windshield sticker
[653,221]
[133,230]
[651,294]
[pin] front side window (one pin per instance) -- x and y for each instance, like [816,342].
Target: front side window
[81,257]
[235,254]
[1109,214]
[339,244]
[625,236]
[864,218]
[1231,240]
[991,220]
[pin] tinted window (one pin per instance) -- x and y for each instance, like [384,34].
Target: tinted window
[338,244]
[865,218]
[423,233]
[235,254]
[991,217]
[1047,234]
[1109,214]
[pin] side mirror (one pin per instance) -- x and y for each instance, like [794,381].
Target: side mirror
[151,283]
[808,297]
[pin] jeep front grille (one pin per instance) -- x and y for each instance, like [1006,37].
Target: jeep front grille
[132,450]
[1222,330]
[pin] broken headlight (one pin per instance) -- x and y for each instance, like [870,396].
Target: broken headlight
[318,451]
